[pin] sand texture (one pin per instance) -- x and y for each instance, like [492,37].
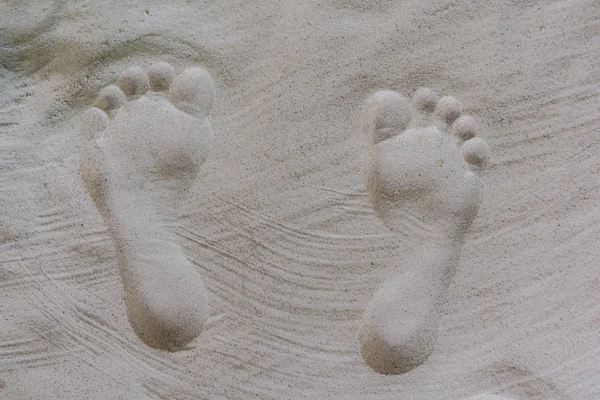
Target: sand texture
[260,200]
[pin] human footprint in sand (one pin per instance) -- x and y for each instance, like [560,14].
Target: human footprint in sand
[421,167]
[142,145]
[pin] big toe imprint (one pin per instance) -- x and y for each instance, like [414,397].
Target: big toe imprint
[421,167]
[142,145]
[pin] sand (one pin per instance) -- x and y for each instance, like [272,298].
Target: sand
[276,221]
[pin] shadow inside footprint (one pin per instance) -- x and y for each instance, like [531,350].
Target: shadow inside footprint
[142,145]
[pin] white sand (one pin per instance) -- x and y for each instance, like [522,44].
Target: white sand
[278,224]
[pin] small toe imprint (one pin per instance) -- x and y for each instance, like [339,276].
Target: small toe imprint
[475,151]
[133,81]
[448,109]
[160,76]
[110,98]
[465,127]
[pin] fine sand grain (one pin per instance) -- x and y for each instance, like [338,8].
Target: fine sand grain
[265,268]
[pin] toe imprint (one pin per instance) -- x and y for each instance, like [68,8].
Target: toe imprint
[424,187]
[448,109]
[140,150]
[193,92]
[160,75]
[475,151]
[133,81]
[110,99]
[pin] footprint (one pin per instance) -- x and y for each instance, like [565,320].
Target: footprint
[421,166]
[142,145]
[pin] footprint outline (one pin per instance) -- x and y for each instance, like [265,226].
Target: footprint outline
[142,144]
[421,166]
